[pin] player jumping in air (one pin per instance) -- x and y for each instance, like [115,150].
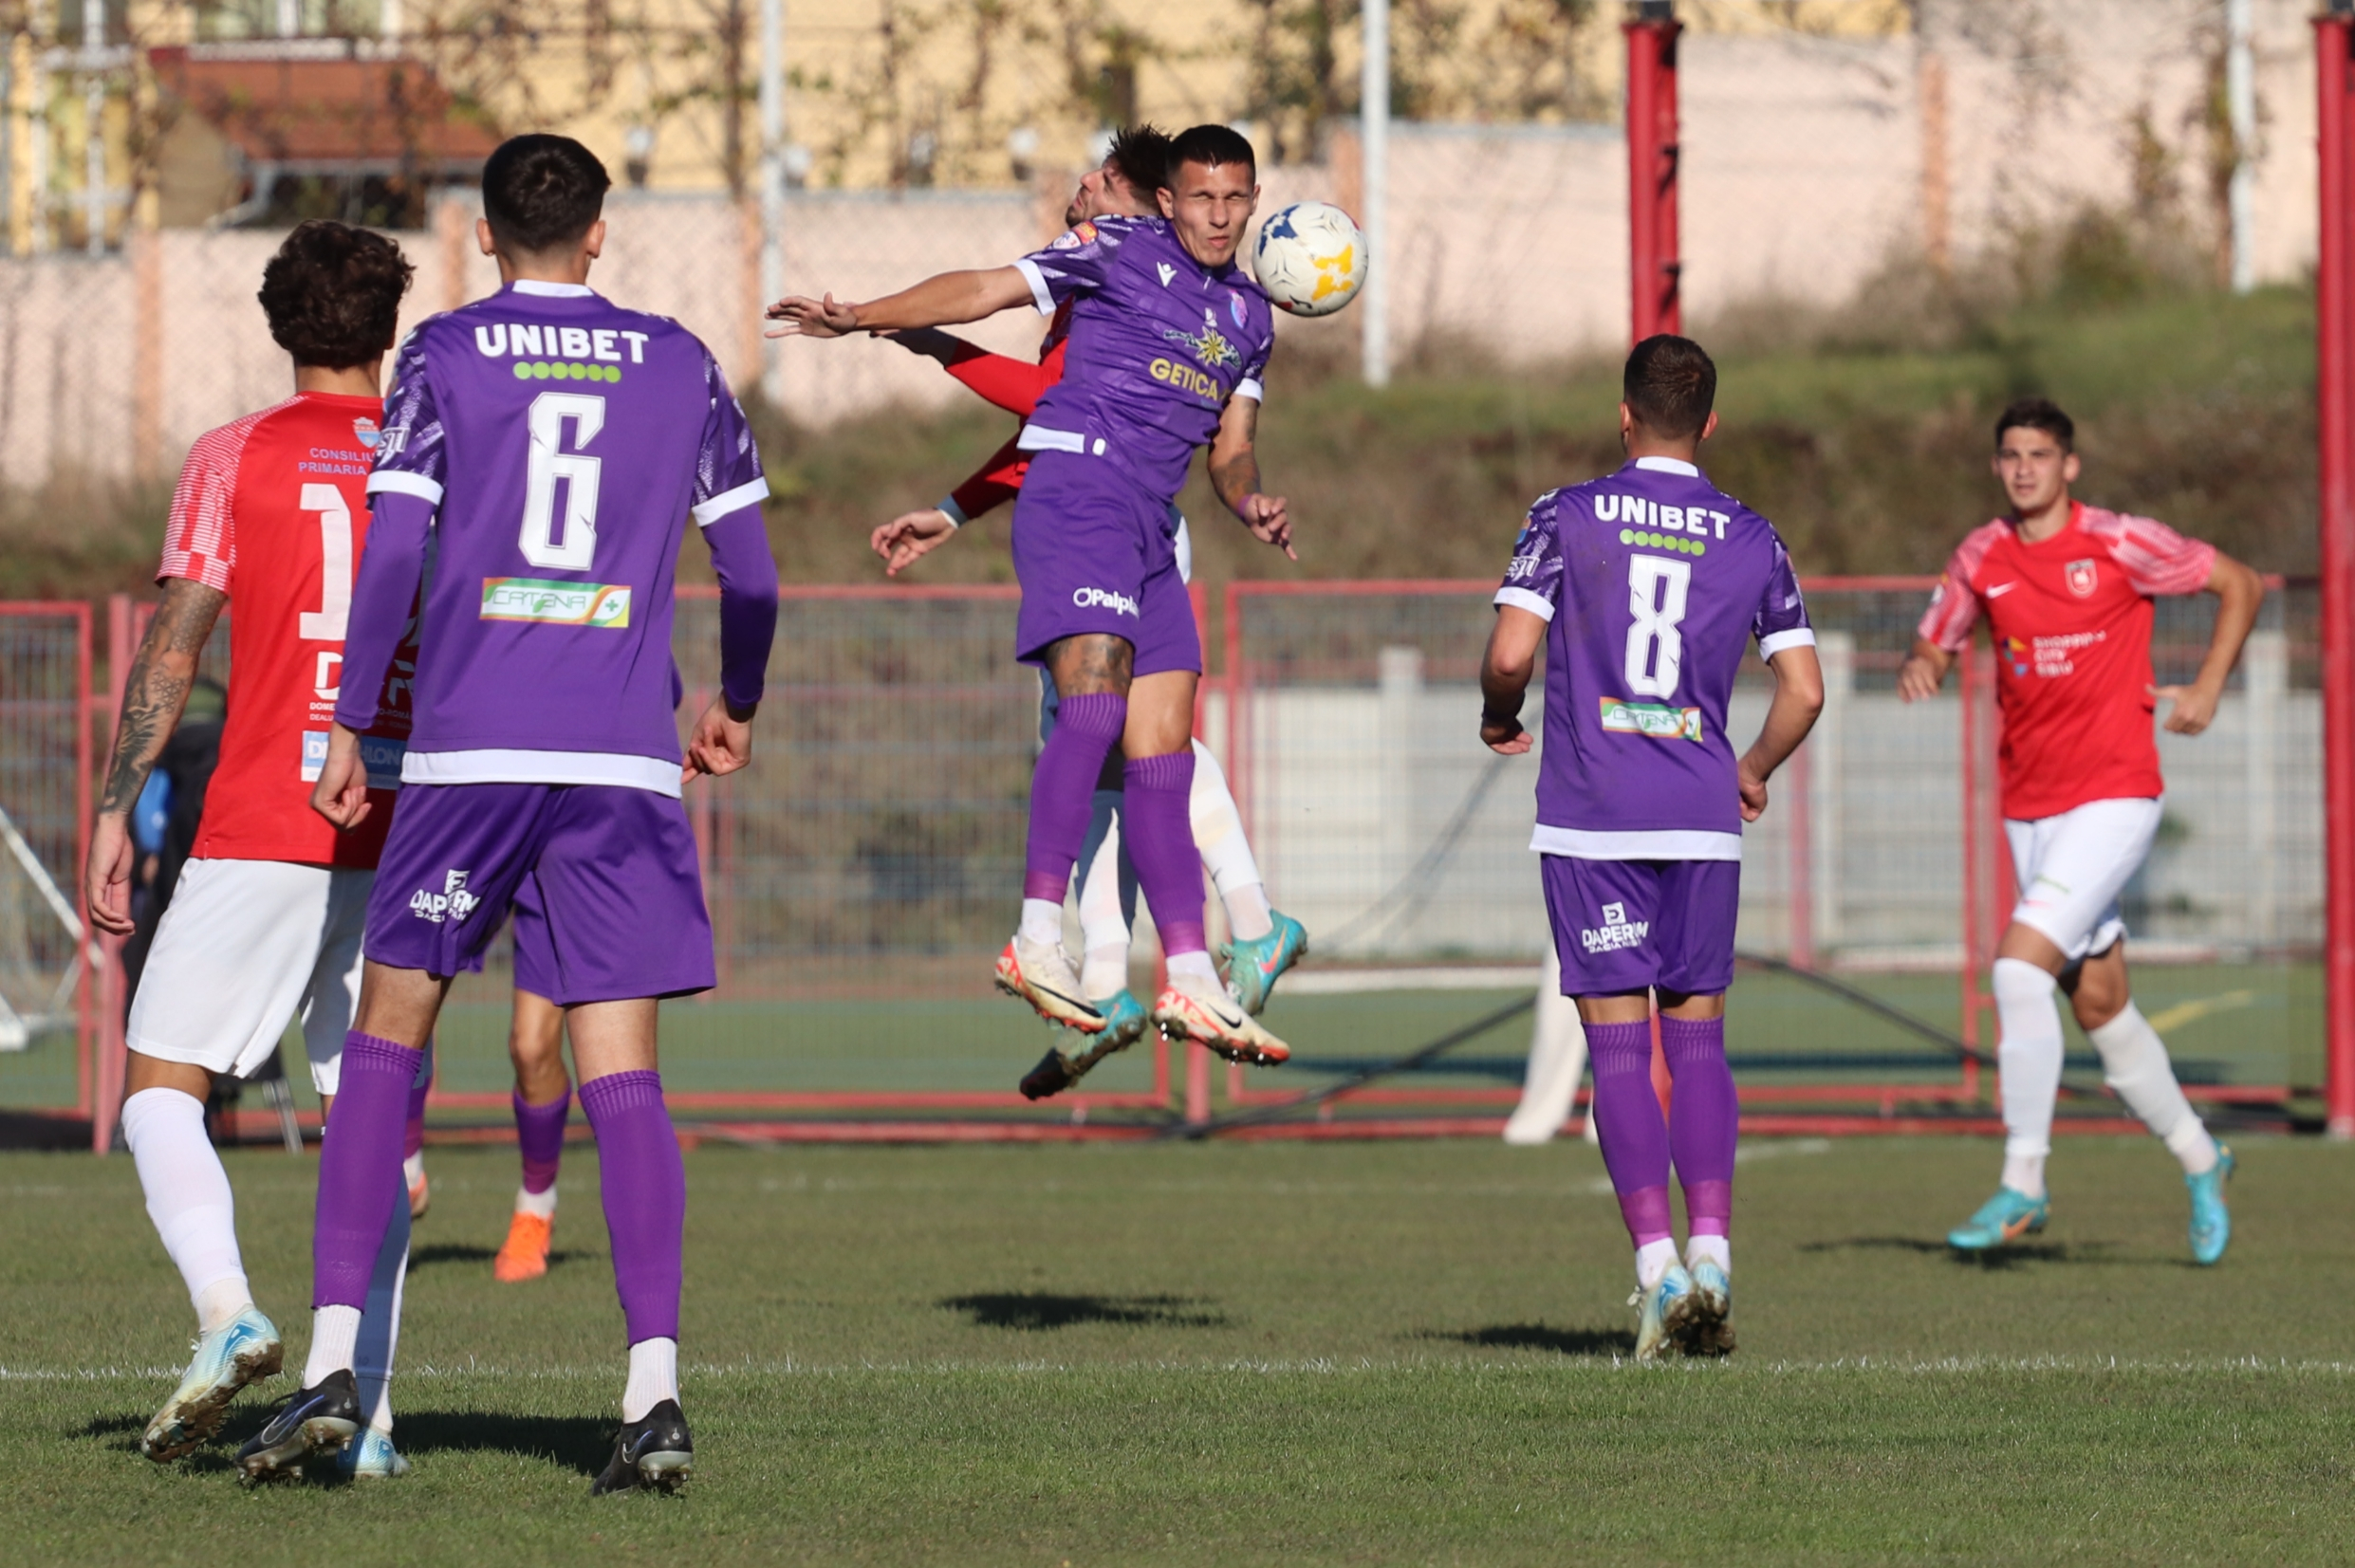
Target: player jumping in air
[265,926]
[1169,341]
[553,446]
[1265,941]
[1645,589]
[2067,591]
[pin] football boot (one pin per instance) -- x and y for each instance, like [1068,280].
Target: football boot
[314,1422]
[523,1255]
[2006,1217]
[1125,1024]
[1193,1009]
[1709,1327]
[656,1451]
[1041,974]
[1254,967]
[2212,1222]
[238,1353]
[1663,1313]
[371,1457]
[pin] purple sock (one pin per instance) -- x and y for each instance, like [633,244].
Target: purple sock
[1704,1119]
[644,1186]
[1158,833]
[1063,790]
[1627,1120]
[540,1135]
[360,1177]
[413,1135]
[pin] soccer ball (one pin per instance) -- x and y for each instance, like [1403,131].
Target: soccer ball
[1311,258]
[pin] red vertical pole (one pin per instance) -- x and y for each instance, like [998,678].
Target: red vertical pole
[2335,35]
[1652,265]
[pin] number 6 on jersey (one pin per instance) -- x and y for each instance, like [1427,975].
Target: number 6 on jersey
[547,463]
[1650,578]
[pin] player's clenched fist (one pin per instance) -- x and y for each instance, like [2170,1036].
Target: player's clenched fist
[342,793]
[722,741]
[910,537]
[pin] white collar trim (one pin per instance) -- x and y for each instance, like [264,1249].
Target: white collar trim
[1657,465]
[552,290]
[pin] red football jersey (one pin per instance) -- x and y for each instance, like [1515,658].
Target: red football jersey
[2071,621]
[272,510]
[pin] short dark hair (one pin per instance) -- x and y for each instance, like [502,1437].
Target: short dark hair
[1207,144]
[1670,386]
[542,191]
[332,294]
[1139,155]
[2037,413]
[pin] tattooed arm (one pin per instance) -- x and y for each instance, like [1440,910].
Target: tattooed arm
[153,697]
[1234,474]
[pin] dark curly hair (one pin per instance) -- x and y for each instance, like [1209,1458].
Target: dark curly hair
[542,191]
[1670,385]
[1140,153]
[332,294]
[2037,413]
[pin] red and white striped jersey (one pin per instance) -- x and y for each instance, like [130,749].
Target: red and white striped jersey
[2072,621]
[272,510]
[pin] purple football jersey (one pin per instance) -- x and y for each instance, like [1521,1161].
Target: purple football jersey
[1158,342]
[1654,581]
[566,442]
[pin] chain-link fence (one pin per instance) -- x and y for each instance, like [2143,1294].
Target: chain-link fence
[45,820]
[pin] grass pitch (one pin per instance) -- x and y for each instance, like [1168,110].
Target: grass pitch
[1249,1354]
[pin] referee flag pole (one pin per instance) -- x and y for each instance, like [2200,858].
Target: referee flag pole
[2334,59]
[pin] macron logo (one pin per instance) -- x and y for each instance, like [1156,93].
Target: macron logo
[453,903]
[1120,604]
[1166,271]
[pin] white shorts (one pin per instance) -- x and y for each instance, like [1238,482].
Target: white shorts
[247,947]
[2071,868]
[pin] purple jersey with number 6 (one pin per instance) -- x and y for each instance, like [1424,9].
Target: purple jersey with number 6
[1654,581]
[1158,342]
[566,442]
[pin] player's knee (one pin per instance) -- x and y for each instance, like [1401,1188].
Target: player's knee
[2096,999]
[1091,663]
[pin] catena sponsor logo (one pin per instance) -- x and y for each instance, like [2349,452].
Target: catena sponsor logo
[555,603]
[1656,719]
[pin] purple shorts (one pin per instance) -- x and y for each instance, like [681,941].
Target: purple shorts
[1632,925]
[615,884]
[1095,553]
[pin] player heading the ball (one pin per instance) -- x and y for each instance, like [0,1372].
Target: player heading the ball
[1645,589]
[2066,592]
[554,447]
[1169,341]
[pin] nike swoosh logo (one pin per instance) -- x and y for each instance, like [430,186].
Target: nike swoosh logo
[2000,589]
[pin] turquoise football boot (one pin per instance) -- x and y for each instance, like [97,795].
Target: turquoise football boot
[1125,1021]
[2006,1217]
[1709,1329]
[2212,1223]
[1666,1313]
[371,1457]
[240,1351]
[1254,967]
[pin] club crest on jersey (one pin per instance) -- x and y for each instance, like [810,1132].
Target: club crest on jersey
[1081,232]
[364,430]
[1234,309]
[452,905]
[2081,577]
[1211,347]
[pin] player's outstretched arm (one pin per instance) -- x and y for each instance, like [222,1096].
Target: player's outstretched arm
[950,299]
[2238,591]
[1234,475]
[153,696]
[1924,670]
[910,537]
[1798,698]
[1505,672]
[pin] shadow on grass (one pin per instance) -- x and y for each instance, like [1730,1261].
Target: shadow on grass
[2104,1253]
[1562,1341]
[1035,1310]
[465,1252]
[217,1456]
[581,1443]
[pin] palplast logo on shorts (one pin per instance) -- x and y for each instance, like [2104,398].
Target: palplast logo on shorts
[452,904]
[1617,932]
[1092,598]
[555,603]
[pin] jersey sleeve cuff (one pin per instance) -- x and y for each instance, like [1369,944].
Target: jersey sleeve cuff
[1248,387]
[950,510]
[399,482]
[751,493]
[1537,604]
[1774,642]
[1039,295]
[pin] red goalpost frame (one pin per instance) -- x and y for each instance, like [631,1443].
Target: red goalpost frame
[2334,60]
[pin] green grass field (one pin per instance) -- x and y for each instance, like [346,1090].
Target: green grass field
[1251,1353]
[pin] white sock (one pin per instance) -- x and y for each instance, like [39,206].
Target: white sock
[2135,1065]
[380,1323]
[413,1169]
[654,1377]
[1716,1249]
[1654,1258]
[541,1204]
[2025,1174]
[1104,971]
[1226,854]
[1042,922]
[1107,886]
[1194,965]
[334,1340]
[1557,1061]
[189,1199]
[2030,1059]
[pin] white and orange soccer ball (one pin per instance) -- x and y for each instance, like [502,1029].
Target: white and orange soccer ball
[1311,258]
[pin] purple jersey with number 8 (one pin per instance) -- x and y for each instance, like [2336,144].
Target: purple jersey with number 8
[1654,583]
